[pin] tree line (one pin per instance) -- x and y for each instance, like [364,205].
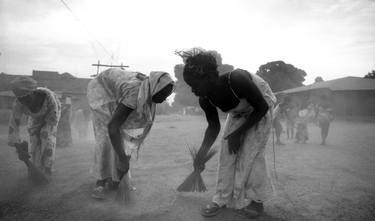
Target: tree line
[279,75]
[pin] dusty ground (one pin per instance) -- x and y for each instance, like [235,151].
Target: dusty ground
[333,182]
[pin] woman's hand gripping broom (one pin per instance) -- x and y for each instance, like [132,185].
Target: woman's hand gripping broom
[125,189]
[36,175]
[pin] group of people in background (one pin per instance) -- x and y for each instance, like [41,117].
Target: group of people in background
[297,120]
[72,121]
[122,102]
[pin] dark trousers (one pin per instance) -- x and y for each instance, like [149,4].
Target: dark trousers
[324,128]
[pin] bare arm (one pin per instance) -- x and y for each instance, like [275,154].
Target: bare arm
[54,112]
[246,88]
[119,117]
[213,127]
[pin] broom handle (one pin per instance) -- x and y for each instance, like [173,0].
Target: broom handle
[273,144]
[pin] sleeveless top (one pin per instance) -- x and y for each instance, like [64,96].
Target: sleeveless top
[238,115]
[243,105]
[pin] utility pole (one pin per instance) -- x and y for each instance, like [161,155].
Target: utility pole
[107,65]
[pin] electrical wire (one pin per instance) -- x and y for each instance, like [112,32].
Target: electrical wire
[88,32]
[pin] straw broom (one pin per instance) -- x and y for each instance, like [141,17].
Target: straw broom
[125,189]
[36,175]
[194,182]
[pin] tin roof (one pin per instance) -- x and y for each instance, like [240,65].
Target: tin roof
[340,84]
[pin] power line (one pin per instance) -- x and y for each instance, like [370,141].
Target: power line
[87,31]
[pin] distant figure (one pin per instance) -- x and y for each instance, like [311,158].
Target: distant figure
[43,108]
[276,121]
[278,129]
[324,117]
[64,129]
[291,116]
[81,122]
[121,100]
[302,133]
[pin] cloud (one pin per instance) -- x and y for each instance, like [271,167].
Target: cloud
[319,36]
[26,10]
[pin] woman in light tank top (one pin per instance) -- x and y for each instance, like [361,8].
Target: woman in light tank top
[242,181]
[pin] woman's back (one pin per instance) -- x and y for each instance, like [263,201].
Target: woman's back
[116,86]
[118,82]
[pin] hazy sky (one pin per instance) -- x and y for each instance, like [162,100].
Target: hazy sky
[328,38]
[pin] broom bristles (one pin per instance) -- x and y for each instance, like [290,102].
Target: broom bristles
[38,176]
[194,182]
[124,192]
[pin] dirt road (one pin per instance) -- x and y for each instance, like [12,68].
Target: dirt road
[332,182]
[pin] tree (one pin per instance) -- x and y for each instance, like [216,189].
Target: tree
[221,68]
[370,75]
[184,96]
[281,76]
[163,108]
[318,79]
[225,68]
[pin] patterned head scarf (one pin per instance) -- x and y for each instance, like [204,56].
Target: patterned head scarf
[158,81]
[22,86]
[149,87]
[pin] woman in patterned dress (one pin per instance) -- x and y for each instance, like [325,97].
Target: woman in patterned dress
[122,101]
[242,181]
[64,129]
[43,109]
[302,134]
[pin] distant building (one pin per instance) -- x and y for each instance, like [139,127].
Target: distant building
[348,96]
[6,99]
[62,84]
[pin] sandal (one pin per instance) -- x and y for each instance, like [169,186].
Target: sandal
[212,209]
[253,210]
[98,193]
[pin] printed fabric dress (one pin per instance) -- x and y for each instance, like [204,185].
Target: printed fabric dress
[108,89]
[42,128]
[243,177]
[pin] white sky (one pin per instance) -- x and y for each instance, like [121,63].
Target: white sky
[328,38]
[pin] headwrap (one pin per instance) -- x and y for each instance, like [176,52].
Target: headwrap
[22,86]
[149,87]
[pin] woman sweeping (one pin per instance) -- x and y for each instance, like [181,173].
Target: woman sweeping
[242,178]
[43,109]
[121,101]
